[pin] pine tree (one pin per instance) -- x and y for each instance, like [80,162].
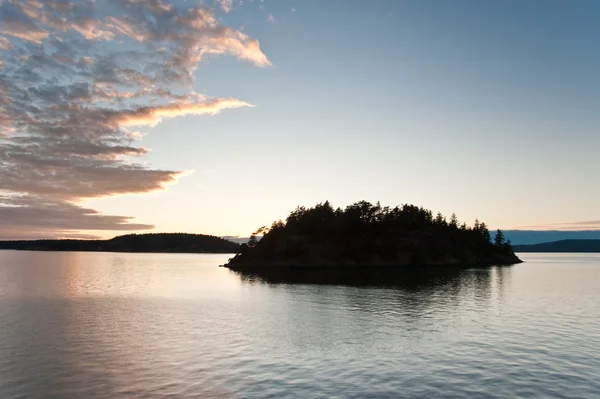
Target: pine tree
[485,233]
[499,241]
[440,220]
[453,220]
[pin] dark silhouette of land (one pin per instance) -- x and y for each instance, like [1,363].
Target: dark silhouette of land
[367,235]
[529,237]
[562,246]
[157,242]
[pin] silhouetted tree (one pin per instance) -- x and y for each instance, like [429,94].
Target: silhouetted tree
[453,221]
[485,233]
[499,240]
[440,219]
[253,237]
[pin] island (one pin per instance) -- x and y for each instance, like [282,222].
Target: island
[365,235]
[590,246]
[154,242]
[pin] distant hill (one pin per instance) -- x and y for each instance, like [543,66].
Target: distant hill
[367,235]
[237,239]
[157,242]
[528,237]
[561,246]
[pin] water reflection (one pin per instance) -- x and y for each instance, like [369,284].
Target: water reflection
[405,278]
[80,274]
[93,325]
[49,274]
[146,325]
[354,310]
[46,344]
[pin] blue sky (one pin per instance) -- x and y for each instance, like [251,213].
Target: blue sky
[485,109]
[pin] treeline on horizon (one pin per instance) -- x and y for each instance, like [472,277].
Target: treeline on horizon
[364,233]
[152,242]
[565,246]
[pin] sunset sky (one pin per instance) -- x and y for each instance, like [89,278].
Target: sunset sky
[220,117]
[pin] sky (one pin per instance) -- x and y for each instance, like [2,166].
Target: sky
[219,117]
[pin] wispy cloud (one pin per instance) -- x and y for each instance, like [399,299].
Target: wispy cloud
[566,226]
[74,78]
[41,213]
[150,116]
[270,18]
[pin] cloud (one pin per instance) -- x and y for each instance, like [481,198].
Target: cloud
[270,18]
[225,5]
[46,214]
[4,43]
[565,226]
[75,77]
[24,31]
[150,116]
[45,234]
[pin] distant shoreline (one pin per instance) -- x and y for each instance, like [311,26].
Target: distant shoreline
[117,252]
[132,243]
[562,246]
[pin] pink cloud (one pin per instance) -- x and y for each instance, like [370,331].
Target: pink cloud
[150,116]
[66,105]
[27,32]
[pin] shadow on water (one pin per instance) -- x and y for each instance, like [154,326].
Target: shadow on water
[405,278]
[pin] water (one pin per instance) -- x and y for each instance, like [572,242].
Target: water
[104,325]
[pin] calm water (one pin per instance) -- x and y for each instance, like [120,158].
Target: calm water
[103,325]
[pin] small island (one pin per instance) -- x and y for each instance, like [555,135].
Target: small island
[367,236]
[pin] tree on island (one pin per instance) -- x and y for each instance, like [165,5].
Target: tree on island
[453,221]
[367,234]
[499,241]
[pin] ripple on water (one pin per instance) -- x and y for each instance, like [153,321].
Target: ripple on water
[78,325]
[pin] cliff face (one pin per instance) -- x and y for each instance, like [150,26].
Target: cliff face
[366,235]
